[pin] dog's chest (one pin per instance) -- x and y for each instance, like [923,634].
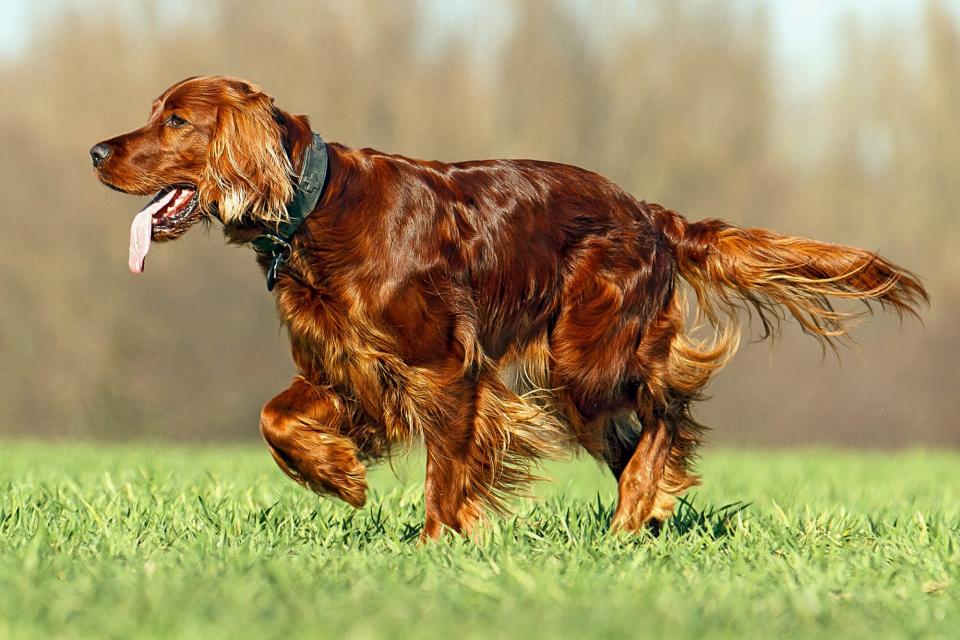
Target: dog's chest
[326,336]
[337,343]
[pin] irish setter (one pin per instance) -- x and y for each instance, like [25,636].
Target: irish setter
[502,311]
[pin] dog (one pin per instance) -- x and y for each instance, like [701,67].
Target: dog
[501,311]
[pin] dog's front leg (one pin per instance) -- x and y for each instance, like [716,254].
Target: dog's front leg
[456,462]
[305,428]
[481,454]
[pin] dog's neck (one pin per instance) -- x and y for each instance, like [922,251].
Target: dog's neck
[275,243]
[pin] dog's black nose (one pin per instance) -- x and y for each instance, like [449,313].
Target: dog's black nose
[99,153]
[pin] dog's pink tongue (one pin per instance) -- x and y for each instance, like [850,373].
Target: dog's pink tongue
[141,230]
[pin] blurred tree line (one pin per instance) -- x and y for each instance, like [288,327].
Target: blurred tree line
[681,102]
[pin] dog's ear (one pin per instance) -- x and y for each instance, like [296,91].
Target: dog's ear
[297,136]
[248,173]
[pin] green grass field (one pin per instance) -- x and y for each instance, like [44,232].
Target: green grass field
[160,541]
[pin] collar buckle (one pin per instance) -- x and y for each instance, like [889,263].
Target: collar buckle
[278,259]
[279,252]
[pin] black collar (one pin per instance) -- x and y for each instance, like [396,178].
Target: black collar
[313,178]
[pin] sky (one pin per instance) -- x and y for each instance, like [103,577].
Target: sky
[805,29]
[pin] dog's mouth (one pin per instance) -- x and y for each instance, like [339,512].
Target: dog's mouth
[167,216]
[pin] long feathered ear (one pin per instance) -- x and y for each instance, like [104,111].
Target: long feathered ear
[248,173]
[297,136]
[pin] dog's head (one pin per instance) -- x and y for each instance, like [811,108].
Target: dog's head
[213,146]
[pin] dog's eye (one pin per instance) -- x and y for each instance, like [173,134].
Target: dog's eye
[176,121]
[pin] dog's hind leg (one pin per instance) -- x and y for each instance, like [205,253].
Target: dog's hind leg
[640,477]
[675,368]
[621,435]
[305,428]
[655,475]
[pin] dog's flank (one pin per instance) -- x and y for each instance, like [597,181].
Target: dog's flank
[501,311]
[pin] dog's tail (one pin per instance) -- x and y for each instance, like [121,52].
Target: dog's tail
[731,268]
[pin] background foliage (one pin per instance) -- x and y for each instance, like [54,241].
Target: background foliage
[682,103]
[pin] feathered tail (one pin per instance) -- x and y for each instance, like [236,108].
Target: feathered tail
[730,268]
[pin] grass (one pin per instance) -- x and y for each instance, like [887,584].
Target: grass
[157,541]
